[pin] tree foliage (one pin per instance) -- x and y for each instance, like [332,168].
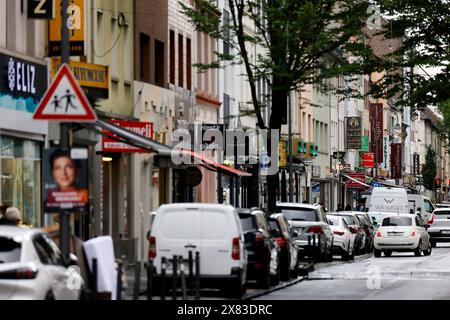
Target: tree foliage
[429,170]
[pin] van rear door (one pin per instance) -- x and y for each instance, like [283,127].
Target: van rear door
[179,231]
[217,229]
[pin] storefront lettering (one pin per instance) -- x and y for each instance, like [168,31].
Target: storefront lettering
[21,77]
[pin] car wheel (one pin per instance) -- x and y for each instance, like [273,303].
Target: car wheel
[428,251]
[376,253]
[275,279]
[285,274]
[388,253]
[49,296]
[418,251]
[345,256]
[433,244]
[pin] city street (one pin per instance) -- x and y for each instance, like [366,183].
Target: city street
[402,277]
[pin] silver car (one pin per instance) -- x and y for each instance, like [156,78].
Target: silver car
[439,230]
[308,221]
[31,268]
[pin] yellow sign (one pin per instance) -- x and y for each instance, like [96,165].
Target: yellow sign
[282,154]
[76,25]
[94,78]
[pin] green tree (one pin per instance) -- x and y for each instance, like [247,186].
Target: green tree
[303,41]
[424,55]
[429,170]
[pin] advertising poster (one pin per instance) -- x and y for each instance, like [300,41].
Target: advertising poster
[65,180]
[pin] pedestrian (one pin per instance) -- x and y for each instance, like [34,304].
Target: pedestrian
[11,217]
[419,214]
[348,208]
[339,208]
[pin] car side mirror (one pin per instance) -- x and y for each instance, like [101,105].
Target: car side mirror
[73,260]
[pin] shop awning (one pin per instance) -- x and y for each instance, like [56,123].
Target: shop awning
[164,150]
[356,180]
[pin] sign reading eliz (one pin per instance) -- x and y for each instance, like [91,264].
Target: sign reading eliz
[76,25]
[93,78]
[354,133]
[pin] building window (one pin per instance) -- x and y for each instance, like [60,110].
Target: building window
[144,42]
[188,64]
[180,61]
[159,63]
[172,57]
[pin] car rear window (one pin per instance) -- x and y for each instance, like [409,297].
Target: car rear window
[298,214]
[350,220]
[274,228]
[333,220]
[397,222]
[248,222]
[9,250]
[442,213]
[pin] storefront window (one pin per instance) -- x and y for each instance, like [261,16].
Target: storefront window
[21,177]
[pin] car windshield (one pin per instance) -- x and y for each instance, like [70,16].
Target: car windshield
[333,220]
[298,214]
[397,222]
[248,223]
[9,250]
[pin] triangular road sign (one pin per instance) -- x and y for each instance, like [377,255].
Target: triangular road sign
[65,100]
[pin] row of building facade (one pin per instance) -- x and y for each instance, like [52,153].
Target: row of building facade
[150,50]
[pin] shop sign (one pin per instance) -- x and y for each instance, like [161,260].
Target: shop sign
[361,177]
[113,143]
[40,9]
[93,78]
[65,181]
[376,129]
[22,83]
[354,126]
[76,24]
[369,160]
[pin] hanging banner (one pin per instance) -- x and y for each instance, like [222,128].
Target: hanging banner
[396,160]
[376,130]
[354,126]
[75,22]
[416,164]
[369,160]
[365,143]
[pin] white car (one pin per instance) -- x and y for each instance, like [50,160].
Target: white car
[402,232]
[212,230]
[343,243]
[31,268]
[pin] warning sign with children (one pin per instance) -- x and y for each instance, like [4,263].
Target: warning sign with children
[65,100]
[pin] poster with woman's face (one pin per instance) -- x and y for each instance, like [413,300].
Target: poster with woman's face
[65,181]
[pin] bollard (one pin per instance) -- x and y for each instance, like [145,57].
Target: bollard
[191,274]
[309,248]
[183,278]
[174,277]
[149,279]
[119,281]
[163,278]
[137,280]
[197,275]
[319,247]
[314,248]
[94,279]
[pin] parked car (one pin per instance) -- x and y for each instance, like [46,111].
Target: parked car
[402,232]
[343,243]
[439,230]
[262,249]
[31,267]
[368,229]
[213,230]
[356,228]
[307,220]
[443,204]
[284,235]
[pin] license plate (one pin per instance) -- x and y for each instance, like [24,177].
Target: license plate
[395,234]
[445,231]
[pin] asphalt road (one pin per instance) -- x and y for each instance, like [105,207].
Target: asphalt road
[402,276]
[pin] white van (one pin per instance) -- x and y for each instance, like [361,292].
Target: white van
[214,231]
[419,201]
[392,200]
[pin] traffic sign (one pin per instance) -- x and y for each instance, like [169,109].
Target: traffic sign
[338,155]
[376,184]
[65,100]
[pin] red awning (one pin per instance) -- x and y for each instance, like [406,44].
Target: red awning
[210,164]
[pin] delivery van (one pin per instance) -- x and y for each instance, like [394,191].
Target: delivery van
[212,230]
[390,200]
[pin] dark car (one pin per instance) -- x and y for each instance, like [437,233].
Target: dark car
[285,237]
[369,230]
[356,227]
[263,250]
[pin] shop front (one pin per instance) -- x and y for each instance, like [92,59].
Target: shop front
[23,81]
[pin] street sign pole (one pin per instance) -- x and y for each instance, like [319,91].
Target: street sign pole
[64,228]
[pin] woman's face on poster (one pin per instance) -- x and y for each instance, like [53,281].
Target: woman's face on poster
[65,172]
